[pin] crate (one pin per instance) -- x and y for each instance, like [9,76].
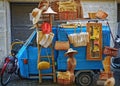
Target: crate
[67,15]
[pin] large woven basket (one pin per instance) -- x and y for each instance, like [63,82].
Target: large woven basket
[67,15]
[92,15]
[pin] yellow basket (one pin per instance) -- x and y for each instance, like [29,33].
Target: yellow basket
[92,15]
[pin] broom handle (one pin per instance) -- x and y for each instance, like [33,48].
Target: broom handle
[111,33]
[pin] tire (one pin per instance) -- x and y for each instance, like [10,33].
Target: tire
[5,75]
[19,75]
[84,79]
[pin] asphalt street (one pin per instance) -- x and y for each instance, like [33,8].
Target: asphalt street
[16,81]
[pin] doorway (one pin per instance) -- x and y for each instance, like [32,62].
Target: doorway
[20,20]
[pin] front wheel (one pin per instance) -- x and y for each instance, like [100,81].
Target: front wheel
[84,79]
[5,75]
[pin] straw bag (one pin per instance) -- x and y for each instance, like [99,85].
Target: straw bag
[44,39]
[44,64]
[79,39]
[62,45]
[108,50]
[39,36]
[49,40]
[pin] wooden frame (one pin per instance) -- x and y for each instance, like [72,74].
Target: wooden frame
[94,47]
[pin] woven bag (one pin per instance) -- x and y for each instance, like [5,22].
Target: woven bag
[39,36]
[62,45]
[49,40]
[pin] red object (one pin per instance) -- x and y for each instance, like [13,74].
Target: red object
[46,28]
[7,60]
[25,61]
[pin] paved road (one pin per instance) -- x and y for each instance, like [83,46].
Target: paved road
[16,81]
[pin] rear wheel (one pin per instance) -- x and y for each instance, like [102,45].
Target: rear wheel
[6,75]
[84,79]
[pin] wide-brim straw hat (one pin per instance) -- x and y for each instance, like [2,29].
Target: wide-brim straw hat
[70,50]
[36,13]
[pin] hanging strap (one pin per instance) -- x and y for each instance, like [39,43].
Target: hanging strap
[111,33]
[79,25]
[60,27]
[48,56]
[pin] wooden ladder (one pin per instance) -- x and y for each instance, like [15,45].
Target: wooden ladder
[51,65]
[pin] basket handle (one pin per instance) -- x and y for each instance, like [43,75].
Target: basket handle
[58,29]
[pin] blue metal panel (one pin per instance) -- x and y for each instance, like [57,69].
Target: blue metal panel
[82,63]
[23,54]
[23,67]
[31,53]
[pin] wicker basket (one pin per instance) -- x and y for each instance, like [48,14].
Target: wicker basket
[92,15]
[67,15]
[110,51]
[63,78]
[64,81]
[104,75]
[101,14]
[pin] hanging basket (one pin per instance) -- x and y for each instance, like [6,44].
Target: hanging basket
[110,51]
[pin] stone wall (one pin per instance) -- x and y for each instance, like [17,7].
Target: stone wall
[4,31]
[108,6]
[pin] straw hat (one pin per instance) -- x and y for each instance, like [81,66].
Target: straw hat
[50,11]
[36,13]
[70,50]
